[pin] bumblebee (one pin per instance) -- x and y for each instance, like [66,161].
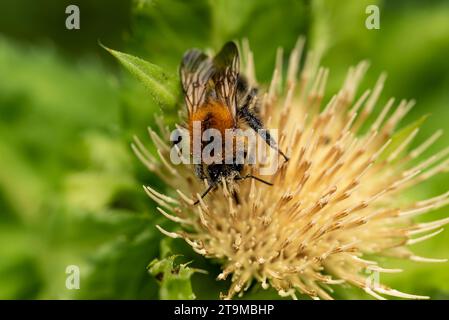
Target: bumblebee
[219,97]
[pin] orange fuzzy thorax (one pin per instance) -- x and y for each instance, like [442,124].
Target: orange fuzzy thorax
[211,115]
[214,115]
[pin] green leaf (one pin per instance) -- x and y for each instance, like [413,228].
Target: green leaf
[204,284]
[117,269]
[399,137]
[162,86]
[174,280]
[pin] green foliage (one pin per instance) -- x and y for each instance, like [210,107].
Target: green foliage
[174,280]
[68,189]
[118,270]
[70,186]
[162,86]
[400,137]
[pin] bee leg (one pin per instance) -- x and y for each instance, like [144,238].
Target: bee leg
[255,123]
[255,178]
[205,193]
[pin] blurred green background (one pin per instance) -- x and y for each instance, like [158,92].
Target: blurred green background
[70,187]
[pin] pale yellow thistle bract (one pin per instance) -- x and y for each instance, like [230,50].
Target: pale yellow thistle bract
[332,204]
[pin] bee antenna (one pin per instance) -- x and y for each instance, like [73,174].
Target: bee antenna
[204,194]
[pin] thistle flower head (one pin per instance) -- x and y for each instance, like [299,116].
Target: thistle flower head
[333,203]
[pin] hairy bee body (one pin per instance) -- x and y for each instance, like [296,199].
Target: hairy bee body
[212,115]
[218,97]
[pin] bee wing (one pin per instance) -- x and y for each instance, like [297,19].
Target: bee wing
[196,70]
[226,65]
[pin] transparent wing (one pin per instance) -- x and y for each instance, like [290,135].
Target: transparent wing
[225,75]
[196,71]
